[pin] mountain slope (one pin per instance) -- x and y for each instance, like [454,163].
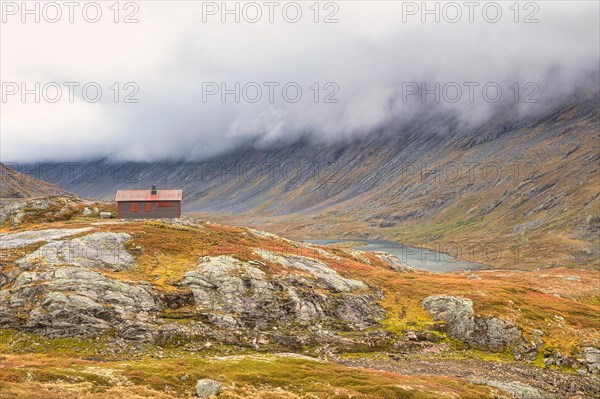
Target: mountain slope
[514,192]
[19,185]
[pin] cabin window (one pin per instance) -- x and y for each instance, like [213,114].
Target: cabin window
[134,207]
[164,204]
[147,207]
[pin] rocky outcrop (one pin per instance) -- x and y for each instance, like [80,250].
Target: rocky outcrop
[358,255]
[324,275]
[322,252]
[21,239]
[16,212]
[62,290]
[58,290]
[308,304]
[394,262]
[96,250]
[456,312]
[74,301]
[236,293]
[591,360]
[492,334]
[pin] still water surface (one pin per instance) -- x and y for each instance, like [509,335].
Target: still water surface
[419,258]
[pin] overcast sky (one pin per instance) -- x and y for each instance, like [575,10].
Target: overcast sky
[370,61]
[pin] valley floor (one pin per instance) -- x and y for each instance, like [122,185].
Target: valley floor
[242,376]
[271,376]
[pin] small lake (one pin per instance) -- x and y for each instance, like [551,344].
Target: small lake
[419,258]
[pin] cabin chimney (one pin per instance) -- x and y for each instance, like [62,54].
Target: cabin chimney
[153,191]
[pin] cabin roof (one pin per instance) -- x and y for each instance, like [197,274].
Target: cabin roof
[146,195]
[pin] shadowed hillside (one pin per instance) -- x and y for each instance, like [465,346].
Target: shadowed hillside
[19,185]
[502,194]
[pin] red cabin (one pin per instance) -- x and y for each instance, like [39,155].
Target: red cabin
[149,204]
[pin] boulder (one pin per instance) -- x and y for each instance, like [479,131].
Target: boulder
[456,312]
[493,334]
[206,388]
[591,359]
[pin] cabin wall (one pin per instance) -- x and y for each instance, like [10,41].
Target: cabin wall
[155,211]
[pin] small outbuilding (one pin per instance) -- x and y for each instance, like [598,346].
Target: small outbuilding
[149,204]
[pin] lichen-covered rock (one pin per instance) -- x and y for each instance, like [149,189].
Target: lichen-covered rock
[219,283]
[47,208]
[74,301]
[207,387]
[24,238]
[559,359]
[322,252]
[62,289]
[591,359]
[394,262]
[327,276]
[492,334]
[515,389]
[59,291]
[358,255]
[456,312]
[238,295]
[96,250]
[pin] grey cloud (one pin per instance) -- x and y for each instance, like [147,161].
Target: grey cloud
[369,54]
